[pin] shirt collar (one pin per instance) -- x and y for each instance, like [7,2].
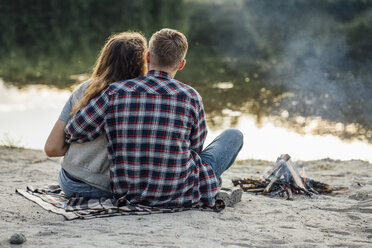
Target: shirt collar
[157,73]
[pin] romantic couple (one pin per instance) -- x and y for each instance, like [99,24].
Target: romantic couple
[138,134]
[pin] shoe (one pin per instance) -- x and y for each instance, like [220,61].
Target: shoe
[230,196]
[236,196]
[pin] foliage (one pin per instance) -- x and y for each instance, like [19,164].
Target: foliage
[47,41]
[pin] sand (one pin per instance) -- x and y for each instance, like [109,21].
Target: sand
[337,220]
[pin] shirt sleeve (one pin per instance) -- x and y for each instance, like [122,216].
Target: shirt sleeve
[199,130]
[88,123]
[65,114]
[78,92]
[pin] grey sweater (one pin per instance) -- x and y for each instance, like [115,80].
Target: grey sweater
[87,162]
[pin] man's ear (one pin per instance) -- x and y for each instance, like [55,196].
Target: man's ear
[148,57]
[183,63]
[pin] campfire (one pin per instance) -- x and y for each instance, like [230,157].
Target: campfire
[284,180]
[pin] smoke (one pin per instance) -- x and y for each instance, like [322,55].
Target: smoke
[318,52]
[308,68]
[315,68]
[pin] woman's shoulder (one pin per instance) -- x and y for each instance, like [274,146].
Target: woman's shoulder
[81,87]
[79,90]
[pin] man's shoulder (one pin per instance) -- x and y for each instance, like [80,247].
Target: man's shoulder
[187,89]
[128,85]
[153,85]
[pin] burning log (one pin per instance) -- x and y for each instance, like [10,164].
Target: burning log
[284,180]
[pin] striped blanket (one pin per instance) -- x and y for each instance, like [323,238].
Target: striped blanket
[53,199]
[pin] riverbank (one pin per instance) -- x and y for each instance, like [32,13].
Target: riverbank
[337,220]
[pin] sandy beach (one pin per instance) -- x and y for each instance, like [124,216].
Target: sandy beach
[337,220]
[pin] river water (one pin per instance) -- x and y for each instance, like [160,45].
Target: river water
[27,115]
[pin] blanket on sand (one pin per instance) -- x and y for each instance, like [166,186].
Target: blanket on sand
[53,199]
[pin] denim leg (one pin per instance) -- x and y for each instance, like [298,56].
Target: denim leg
[222,152]
[71,187]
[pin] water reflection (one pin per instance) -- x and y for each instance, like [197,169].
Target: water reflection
[268,141]
[29,114]
[318,126]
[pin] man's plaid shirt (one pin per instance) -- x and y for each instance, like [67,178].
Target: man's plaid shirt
[155,127]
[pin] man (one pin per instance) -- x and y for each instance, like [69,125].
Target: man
[155,126]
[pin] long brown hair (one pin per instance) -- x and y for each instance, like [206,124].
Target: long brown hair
[122,57]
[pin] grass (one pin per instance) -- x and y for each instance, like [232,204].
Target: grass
[9,142]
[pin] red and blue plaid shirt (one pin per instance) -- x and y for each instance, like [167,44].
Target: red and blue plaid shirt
[155,127]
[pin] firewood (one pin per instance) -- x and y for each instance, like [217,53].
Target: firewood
[290,195]
[331,189]
[277,192]
[313,191]
[284,180]
[339,188]
[322,187]
[276,176]
[282,159]
[249,186]
[239,181]
[252,189]
[285,195]
[295,175]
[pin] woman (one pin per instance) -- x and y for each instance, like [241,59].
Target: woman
[85,167]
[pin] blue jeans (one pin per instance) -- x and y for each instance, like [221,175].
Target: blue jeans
[71,187]
[222,152]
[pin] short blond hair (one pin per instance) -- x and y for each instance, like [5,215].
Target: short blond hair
[167,48]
